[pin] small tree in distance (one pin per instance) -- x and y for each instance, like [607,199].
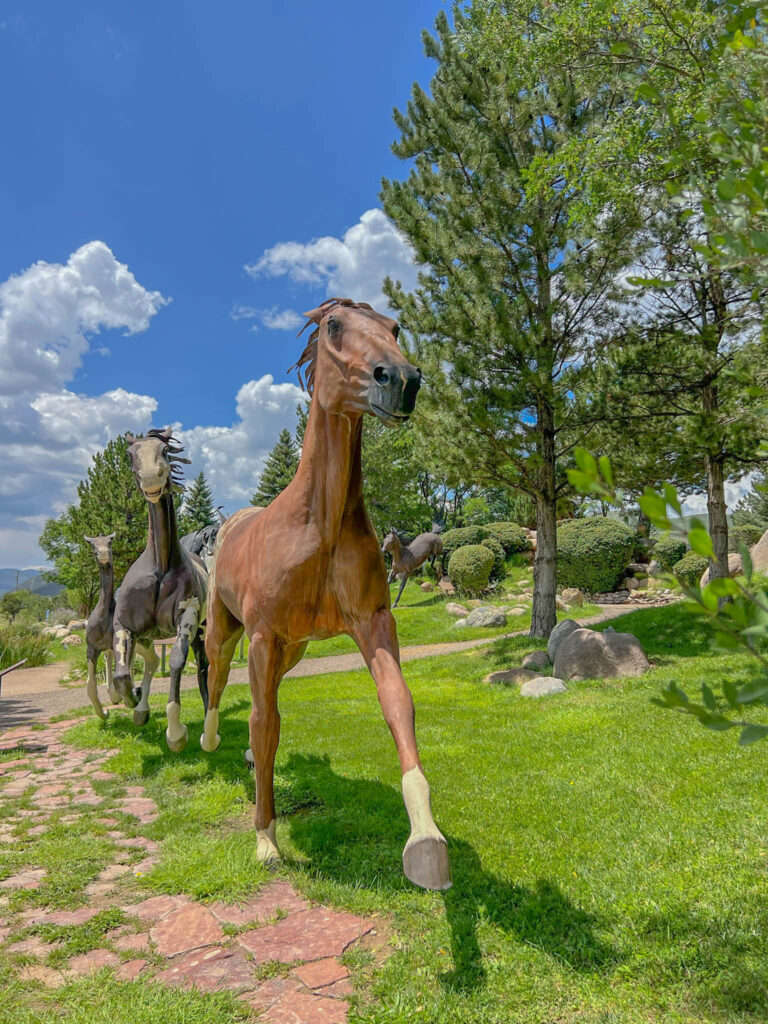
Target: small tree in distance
[279,469]
[198,510]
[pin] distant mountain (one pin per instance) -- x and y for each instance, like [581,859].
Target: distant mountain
[27,579]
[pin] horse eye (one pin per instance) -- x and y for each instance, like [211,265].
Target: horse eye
[333,325]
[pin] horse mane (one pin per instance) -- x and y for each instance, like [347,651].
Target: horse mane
[306,364]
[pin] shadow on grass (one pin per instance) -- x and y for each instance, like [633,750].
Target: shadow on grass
[356,839]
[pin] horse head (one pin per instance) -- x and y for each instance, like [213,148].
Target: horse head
[102,548]
[352,363]
[154,461]
[390,541]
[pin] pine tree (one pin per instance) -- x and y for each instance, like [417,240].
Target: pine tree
[513,284]
[198,510]
[302,413]
[279,469]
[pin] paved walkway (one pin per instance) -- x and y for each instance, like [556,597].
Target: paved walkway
[22,702]
[172,939]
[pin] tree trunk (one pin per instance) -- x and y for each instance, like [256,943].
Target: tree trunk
[718,522]
[643,534]
[544,613]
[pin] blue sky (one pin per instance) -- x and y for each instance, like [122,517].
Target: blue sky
[193,140]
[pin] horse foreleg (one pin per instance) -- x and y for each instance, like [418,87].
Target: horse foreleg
[91,686]
[151,661]
[109,664]
[176,732]
[122,680]
[425,857]
[221,635]
[392,574]
[402,588]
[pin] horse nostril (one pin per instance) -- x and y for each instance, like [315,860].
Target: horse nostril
[380,375]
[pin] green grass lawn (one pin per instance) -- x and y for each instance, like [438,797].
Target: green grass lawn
[610,858]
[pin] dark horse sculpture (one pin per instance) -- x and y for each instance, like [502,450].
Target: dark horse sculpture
[308,566]
[99,634]
[164,591]
[406,560]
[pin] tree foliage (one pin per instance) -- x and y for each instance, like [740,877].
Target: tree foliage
[279,469]
[198,509]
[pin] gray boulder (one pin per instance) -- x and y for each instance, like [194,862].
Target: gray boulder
[558,634]
[586,654]
[511,676]
[536,659]
[542,687]
[486,616]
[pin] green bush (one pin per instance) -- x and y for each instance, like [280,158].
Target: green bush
[746,533]
[512,537]
[470,568]
[668,551]
[18,643]
[460,538]
[690,568]
[593,554]
[499,563]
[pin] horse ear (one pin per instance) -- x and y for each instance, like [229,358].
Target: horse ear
[112,536]
[89,539]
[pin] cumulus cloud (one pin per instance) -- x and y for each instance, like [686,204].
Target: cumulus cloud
[354,265]
[273,318]
[49,433]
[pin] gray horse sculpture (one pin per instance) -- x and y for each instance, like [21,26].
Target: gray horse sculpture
[406,559]
[164,591]
[99,632]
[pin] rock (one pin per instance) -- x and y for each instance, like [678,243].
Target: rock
[734,568]
[311,935]
[76,624]
[638,570]
[486,616]
[474,603]
[459,623]
[185,929]
[572,595]
[447,587]
[72,640]
[561,605]
[512,676]
[517,611]
[456,609]
[759,554]
[630,583]
[558,634]
[536,659]
[542,687]
[656,569]
[586,654]
[427,587]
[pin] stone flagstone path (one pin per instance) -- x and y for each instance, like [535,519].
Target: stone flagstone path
[173,940]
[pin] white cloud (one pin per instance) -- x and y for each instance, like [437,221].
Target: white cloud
[275,319]
[696,504]
[232,458]
[353,266]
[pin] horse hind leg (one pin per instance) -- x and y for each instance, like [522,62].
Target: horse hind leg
[151,661]
[176,732]
[402,588]
[109,662]
[221,635]
[91,686]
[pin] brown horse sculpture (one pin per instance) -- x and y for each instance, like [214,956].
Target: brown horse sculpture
[164,591]
[407,559]
[308,567]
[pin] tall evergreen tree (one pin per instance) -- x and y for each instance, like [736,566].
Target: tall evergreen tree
[302,415]
[108,501]
[279,469]
[513,285]
[198,510]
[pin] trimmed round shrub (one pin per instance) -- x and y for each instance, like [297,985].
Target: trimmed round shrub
[499,564]
[470,568]
[668,551]
[746,533]
[690,568]
[593,554]
[513,537]
[461,537]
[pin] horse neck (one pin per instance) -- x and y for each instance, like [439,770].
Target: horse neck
[163,538]
[106,587]
[329,475]
[398,550]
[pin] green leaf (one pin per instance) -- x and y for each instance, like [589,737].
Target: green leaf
[757,690]
[586,462]
[708,697]
[727,188]
[701,542]
[605,469]
[717,723]
[751,733]
[723,586]
[746,561]
[730,693]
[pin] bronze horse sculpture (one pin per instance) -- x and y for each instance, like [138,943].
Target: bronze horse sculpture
[99,634]
[308,566]
[407,559]
[164,591]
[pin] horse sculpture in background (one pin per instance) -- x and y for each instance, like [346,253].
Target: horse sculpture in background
[406,560]
[99,629]
[308,566]
[164,591]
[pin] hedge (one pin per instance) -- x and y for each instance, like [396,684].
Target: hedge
[691,568]
[668,551]
[747,533]
[513,537]
[461,537]
[470,568]
[499,563]
[593,554]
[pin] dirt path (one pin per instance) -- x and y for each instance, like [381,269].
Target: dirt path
[29,695]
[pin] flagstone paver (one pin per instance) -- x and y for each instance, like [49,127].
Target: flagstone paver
[322,972]
[30,879]
[209,970]
[94,960]
[45,975]
[186,928]
[132,943]
[63,917]
[277,896]
[301,1008]
[309,935]
[130,970]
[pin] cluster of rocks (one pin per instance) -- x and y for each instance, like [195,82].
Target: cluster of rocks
[65,632]
[483,616]
[573,653]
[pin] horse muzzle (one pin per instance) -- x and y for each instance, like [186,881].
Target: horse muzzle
[393,392]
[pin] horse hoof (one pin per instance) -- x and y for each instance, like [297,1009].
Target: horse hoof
[129,699]
[209,748]
[426,863]
[248,758]
[140,717]
[266,846]
[177,745]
